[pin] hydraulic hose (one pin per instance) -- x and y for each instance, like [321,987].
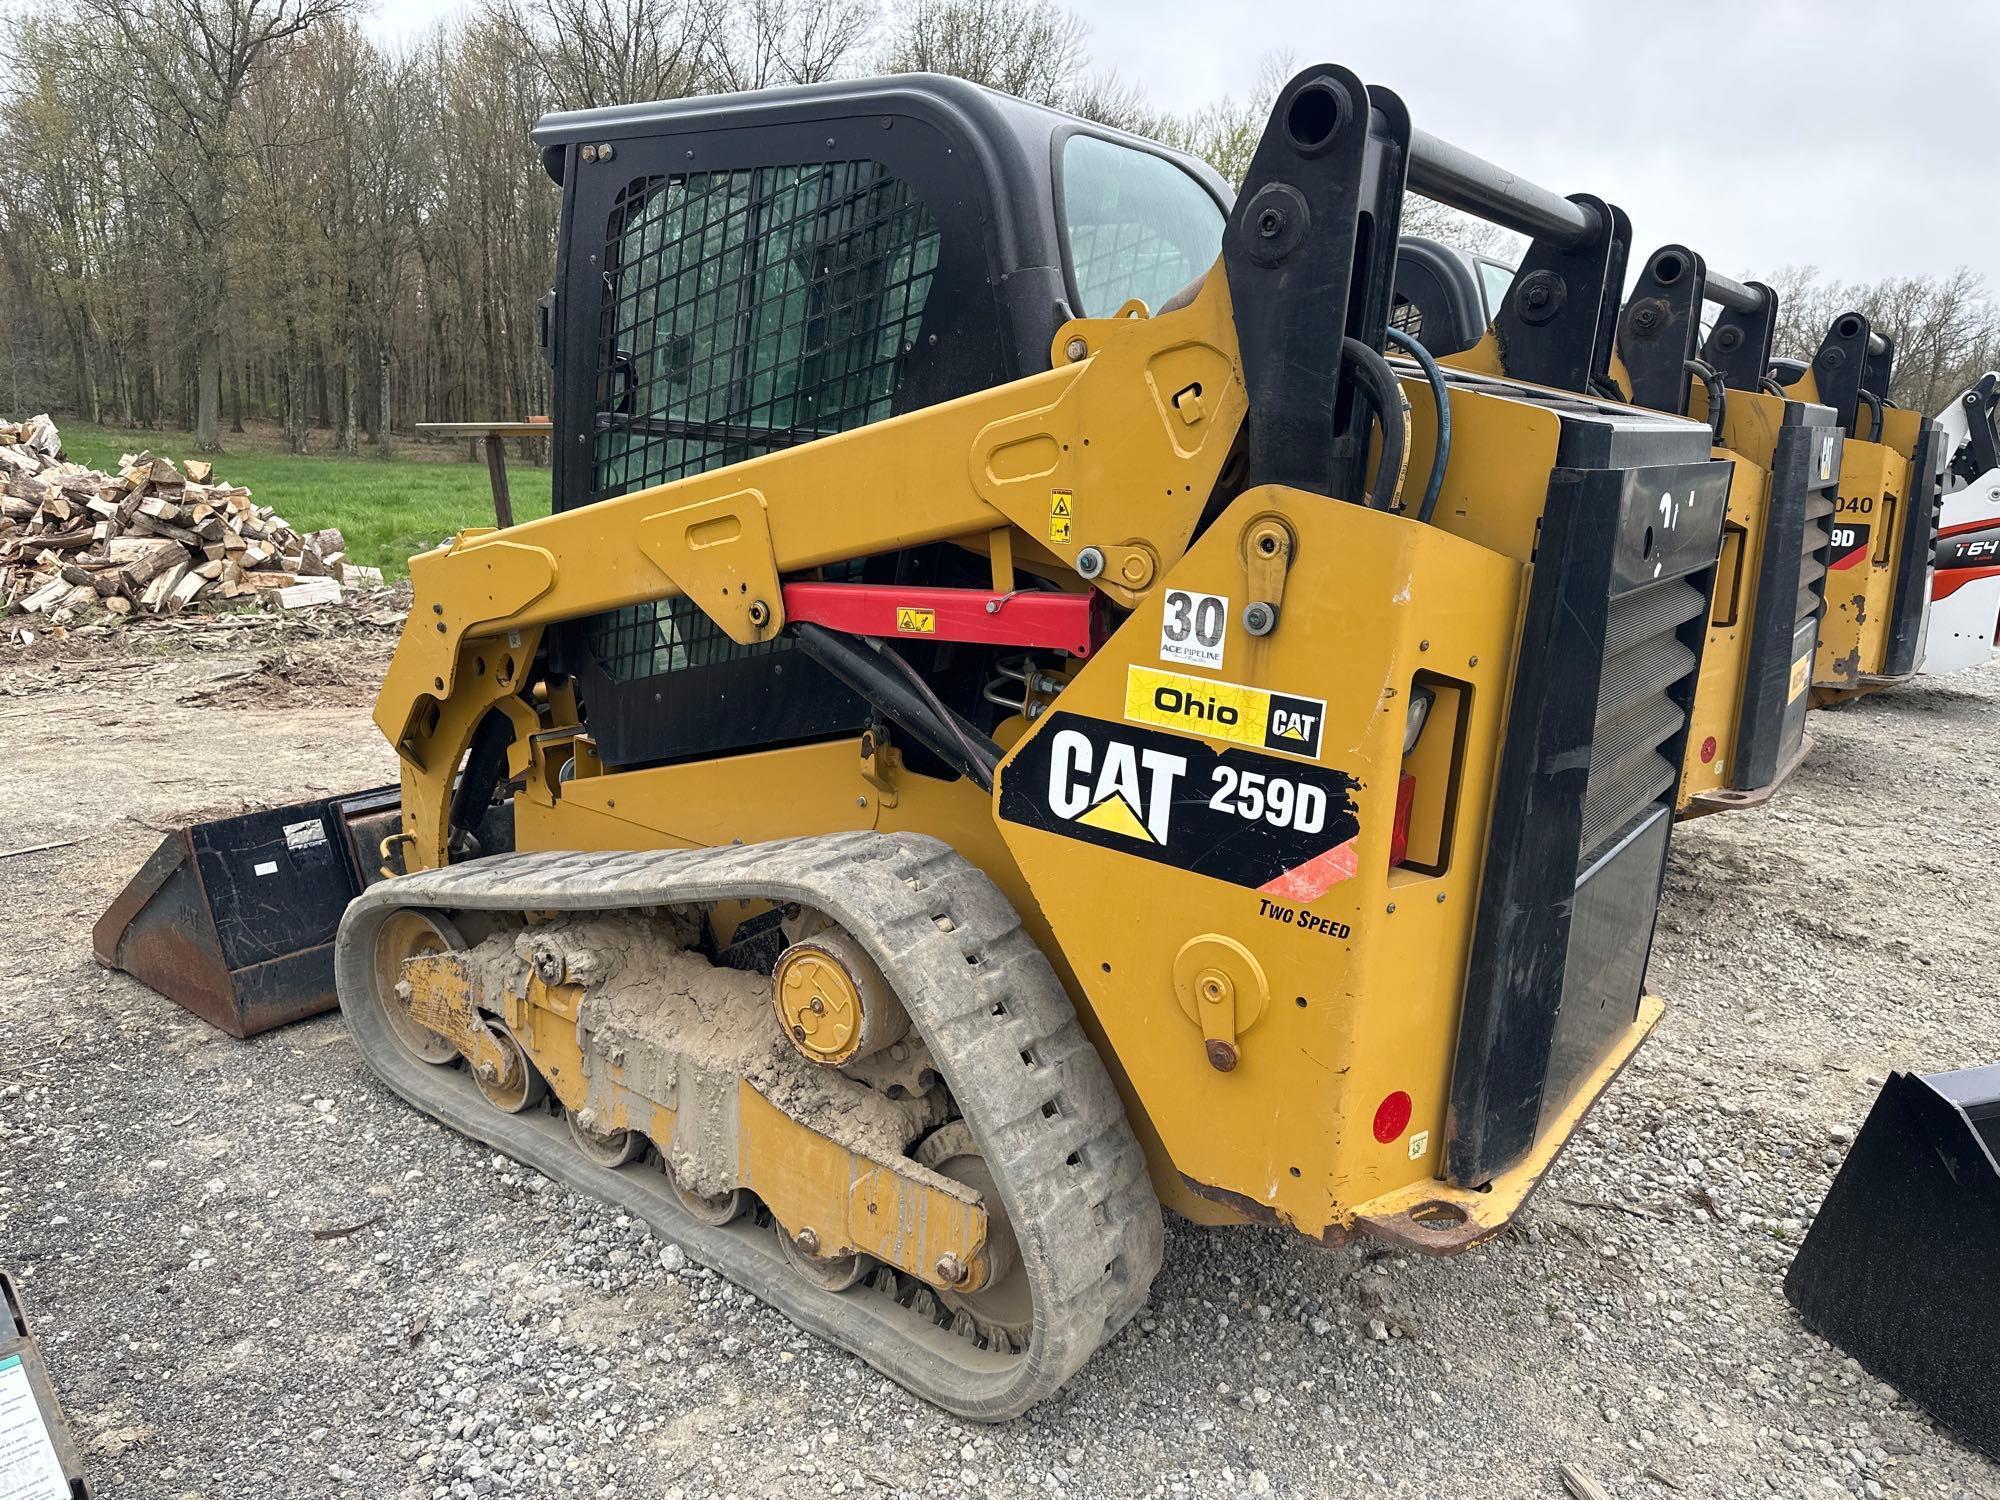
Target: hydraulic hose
[1717,399]
[1874,405]
[1378,383]
[1442,399]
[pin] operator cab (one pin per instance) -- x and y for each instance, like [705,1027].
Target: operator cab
[742,274]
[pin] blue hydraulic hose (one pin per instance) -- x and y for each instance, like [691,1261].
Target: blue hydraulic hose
[1441,398]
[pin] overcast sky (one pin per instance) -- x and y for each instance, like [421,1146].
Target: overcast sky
[1836,133]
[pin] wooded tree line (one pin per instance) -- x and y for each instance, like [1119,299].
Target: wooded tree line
[227,209]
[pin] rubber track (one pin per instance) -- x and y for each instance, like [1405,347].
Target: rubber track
[1000,1026]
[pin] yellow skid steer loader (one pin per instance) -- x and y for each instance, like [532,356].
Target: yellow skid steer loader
[1008,727]
[1885,529]
[1558,324]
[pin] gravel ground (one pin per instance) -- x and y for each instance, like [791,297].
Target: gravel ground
[255,1272]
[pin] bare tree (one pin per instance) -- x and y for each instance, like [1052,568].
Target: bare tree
[593,53]
[1946,328]
[770,42]
[1225,135]
[1033,49]
[189,61]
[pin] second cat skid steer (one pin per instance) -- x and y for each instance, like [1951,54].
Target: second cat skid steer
[1748,733]
[995,742]
[1965,588]
[1559,324]
[1885,526]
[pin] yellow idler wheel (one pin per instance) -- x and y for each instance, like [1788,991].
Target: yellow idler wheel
[411,933]
[830,1273]
[516,1086]
[716,1209]
[607,1148]
[1004,1308]
[833,1003]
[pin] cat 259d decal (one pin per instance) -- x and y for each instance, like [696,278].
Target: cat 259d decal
[1251,819]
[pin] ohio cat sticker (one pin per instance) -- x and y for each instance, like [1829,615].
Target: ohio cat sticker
[1225,710]
[1279,826]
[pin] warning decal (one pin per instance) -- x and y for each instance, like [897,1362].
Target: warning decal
[1225,711]
[1801,675]
[1850,543]
[29,1468]
[916,621]
[1233,815]
[305,835]
[1062,515]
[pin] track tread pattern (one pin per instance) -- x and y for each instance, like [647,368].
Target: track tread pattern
[1000,1027]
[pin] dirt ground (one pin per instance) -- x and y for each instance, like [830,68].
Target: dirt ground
[255,1272]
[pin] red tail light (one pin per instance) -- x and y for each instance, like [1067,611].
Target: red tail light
[1399,834]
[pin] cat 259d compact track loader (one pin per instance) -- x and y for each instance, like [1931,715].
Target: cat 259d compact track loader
[1007,727]
[1558,323]
[1878,581]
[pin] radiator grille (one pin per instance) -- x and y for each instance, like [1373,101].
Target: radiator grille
[744,312]
[1639,707]
[1812,559]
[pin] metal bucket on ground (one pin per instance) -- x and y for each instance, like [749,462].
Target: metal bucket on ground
[235,918]
[1902,1267]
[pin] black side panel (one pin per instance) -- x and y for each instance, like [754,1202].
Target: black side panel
[1603,682]
[1900,1266]
[1913,571]
[1791,594]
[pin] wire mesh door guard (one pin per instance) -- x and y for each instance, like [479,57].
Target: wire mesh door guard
[744,311]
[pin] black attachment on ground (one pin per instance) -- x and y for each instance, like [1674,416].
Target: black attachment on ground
[235,918]
[1900,1265]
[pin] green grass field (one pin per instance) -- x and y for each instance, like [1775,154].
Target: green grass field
[388,509]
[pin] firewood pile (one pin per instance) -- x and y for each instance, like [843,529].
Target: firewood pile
[152,539]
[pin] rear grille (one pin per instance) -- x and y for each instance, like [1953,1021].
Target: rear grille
[744,312]
[1648,613]
[1812,560]
[1639,708]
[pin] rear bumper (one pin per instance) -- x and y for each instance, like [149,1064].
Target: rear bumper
[1730,799]
[1436,1218]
